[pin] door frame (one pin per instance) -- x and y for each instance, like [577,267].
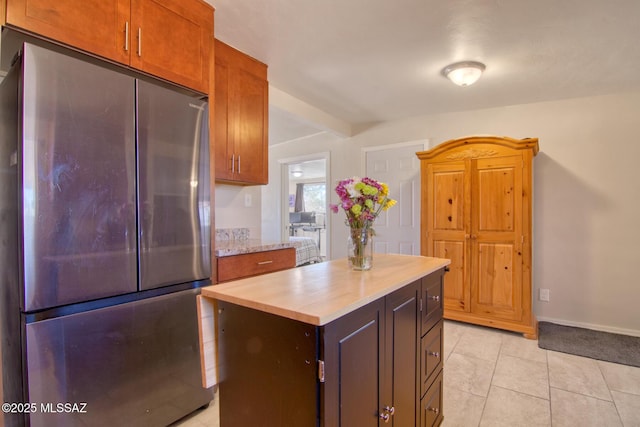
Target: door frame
[284,194]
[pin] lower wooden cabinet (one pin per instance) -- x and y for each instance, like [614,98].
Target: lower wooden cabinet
[370,363]
[235,267]
[370,367]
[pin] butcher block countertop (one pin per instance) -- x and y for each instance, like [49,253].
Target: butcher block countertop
[320,293]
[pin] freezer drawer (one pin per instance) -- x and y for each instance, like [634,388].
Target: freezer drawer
[132,364]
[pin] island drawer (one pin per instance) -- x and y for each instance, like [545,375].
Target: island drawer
[430,356]
[431,404]
[431,300]
[253,264]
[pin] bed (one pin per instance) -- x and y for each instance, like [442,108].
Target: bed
[306,250]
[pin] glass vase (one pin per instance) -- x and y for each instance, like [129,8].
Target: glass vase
[360,248]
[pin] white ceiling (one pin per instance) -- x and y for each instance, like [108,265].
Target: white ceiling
[366,61]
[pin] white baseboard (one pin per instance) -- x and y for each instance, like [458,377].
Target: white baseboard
[622,331]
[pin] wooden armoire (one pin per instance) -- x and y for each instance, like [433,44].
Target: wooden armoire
[476,211]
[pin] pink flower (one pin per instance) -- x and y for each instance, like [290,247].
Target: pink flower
[362,200]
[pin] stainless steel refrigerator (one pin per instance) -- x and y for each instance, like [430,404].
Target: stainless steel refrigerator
[104,243]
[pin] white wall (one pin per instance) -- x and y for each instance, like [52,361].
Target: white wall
[231,210]
[586,196]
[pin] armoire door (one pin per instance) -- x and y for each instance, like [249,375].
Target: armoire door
[496,237]
[447,190]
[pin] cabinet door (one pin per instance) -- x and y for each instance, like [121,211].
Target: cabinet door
[225,164]
[172,39]
[447,223]
[399,388]
[353,369]
[249,95]
[241,131]
[496,236]
[97,26]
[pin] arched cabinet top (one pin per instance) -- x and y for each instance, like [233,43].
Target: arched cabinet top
[477,147]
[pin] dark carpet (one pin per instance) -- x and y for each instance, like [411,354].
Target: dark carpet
[598,345]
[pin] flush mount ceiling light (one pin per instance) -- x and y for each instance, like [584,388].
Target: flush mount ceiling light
[296,174]
[464,73]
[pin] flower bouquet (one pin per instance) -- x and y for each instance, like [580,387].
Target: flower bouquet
[362,200]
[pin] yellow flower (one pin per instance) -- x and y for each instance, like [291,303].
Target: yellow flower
[356,210]
[388,204]
[385,189]
[369,203]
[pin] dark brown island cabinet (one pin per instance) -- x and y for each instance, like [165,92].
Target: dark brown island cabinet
[324,346]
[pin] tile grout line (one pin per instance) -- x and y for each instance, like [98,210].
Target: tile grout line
[486,399]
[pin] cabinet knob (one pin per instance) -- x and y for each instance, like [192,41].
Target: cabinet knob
[387,413]
[435,297]
[434,354]
[434,410]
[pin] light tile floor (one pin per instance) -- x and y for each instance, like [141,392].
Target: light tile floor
[494,378]
[497,378]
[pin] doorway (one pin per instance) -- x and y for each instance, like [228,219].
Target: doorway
[305,206]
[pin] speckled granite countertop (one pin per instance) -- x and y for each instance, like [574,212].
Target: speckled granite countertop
[236,247]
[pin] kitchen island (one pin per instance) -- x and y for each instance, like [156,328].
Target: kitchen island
[324,345]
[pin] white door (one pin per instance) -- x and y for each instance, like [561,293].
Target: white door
[398,229]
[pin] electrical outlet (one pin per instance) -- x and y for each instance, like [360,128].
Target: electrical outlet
[544,295]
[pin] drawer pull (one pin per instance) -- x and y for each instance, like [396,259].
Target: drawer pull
[265,262]
[435,297]
[434,410]
[384,416]
[434,354]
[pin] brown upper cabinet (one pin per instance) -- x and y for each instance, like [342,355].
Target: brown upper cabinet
[476,211]
[170,39]
[241,117]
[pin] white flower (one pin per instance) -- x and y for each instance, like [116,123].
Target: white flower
[351,188]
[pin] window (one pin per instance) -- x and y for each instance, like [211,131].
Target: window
[315,197]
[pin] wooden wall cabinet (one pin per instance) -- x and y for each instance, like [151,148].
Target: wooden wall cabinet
[241,117]
[370,366]
[476,211]
[170,39]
